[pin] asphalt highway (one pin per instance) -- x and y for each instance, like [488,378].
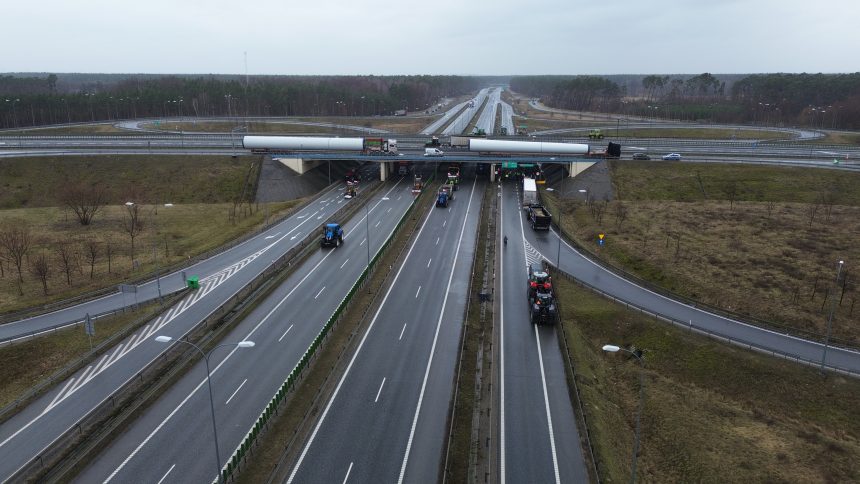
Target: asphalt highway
[487,119]
[26,434]
[539,438]
[386,421]
[173,438]
[462,121]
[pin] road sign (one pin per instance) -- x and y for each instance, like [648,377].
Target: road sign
[509,164]
[88,326]
[601,235]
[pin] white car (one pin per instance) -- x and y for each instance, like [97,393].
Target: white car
[433,152]
[672,157]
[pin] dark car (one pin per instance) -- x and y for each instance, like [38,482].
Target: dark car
[641,156]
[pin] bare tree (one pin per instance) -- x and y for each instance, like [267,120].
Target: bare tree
[84,200]
[132,224]
[620,214]
[92,249]
[15,241]
[770,205]
[109,250]
[41,270]
[67,257]
[812,211]
[732,193]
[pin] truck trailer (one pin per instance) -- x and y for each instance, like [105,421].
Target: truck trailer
[269,144]
[530,195]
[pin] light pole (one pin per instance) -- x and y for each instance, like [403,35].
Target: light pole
[615,349]
[367,227]
[830,317]
[241,344]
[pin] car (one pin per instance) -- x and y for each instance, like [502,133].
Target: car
[672,157]
[641,156]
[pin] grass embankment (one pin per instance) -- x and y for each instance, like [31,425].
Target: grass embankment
[69,130]
[202,218]
[713,412]
[27,364]
[402,124]
[843,138]
[771,253]
[696,133]
[283,439]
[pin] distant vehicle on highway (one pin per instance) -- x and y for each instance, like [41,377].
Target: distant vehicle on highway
[672,157]
[433,152]
[641,156]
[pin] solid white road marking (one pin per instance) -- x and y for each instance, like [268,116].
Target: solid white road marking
[297,234]
[389,209]
[318,294]
[444,222]
[401,332]
[546,404]
[417,292]
[377,223]
[344,263]
[331,400]
[501,347]
[166,473]
[347,473]
[237,391]
[380,390]
[435,339]
[285,333]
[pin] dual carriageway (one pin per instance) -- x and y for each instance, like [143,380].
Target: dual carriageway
[386,419]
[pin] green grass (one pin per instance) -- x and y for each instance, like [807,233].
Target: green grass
[713,412]
[39,181]
[394,124]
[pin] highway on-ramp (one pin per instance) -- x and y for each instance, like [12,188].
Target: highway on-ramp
[546,245]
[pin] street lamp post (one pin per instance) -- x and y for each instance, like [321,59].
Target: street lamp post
[241,344]
[830,317]
[615,349]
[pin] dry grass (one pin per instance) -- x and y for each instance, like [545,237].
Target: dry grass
[28,363]
[408,124]
[781,262]
[843,138]
[713,413]
[697,133]
[39,181]
[183,231]
[70,130]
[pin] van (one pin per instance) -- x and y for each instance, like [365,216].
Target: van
[433,152]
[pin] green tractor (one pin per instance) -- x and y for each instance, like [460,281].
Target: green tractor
[595,134]
[479,132]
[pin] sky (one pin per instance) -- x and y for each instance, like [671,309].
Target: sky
[468,37]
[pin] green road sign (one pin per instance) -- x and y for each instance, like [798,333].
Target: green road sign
[509,164]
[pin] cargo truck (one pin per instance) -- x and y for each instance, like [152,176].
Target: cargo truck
[530,195]
[539,217]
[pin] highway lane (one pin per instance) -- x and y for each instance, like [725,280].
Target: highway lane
[435,126]
[508,118]
[386,421]
[462,121]
[573,262]
[539,438]
[176,430]
[297,225]
[35,427]
[487,119]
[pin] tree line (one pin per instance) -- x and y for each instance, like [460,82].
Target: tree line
[815,100]
[35,101]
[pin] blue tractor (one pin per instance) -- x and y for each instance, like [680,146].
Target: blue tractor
[332,235]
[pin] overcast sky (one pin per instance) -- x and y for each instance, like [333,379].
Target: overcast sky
[431,37]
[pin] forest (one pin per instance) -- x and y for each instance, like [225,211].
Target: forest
[830,101]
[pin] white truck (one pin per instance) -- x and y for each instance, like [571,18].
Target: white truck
[530,195]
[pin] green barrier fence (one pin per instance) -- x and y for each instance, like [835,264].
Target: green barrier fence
[248,441]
